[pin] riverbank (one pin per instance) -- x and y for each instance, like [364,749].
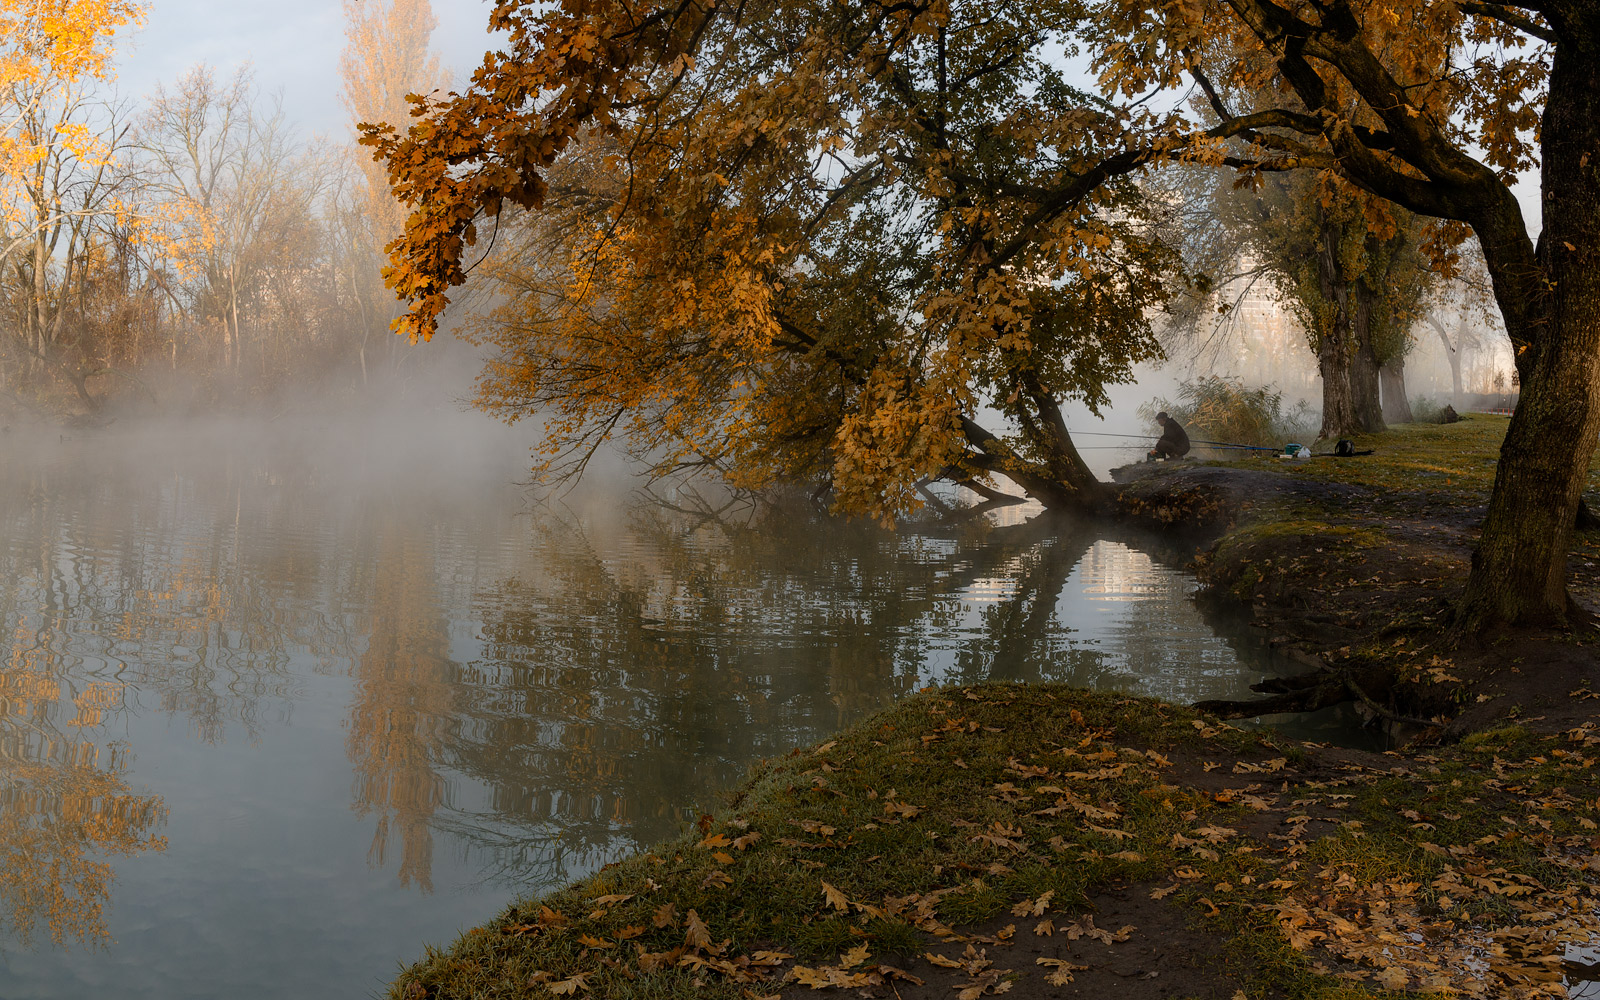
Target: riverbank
[1043,841]
[1046,841]
[1352,565]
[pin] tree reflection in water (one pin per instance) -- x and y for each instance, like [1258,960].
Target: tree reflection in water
[64,805]
[649,662]
[541,694]
[403,702]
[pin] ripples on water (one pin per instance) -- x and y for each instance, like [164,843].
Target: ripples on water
[281,704]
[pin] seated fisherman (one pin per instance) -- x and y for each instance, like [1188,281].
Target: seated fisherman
[1174,442]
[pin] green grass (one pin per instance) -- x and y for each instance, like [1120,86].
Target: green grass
[952,807]
[1456,459]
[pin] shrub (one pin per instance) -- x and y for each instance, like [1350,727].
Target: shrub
[1426,410]
[1220,408]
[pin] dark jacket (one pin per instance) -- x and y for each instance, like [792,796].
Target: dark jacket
[1173,439]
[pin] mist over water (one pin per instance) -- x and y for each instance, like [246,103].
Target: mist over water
[323,686]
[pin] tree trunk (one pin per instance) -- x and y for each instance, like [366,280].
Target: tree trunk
[1519,571]
[1338,405]
[1392,382]
[1336,346]
[1454,357]
[1364,382]
[1064,484]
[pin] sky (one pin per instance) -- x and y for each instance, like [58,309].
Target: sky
[293,45]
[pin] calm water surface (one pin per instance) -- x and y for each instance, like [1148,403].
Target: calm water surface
[283,703]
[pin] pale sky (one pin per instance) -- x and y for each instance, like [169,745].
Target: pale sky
[294,46]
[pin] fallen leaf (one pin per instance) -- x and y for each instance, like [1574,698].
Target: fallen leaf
[835,898]
[666,915]
[854,957]
[699,935]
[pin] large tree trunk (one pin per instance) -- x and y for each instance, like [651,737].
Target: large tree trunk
[1344,358]
[1519,572]
[1364,382]
[1338,403]
[1392,382]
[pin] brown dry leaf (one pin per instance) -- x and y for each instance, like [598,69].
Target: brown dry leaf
[835,898]
[722,857]
[611,900]
[550,918]
[698,936]
[745,841]
[666,915]
[1044,928]
[590,941]
[569,987]
[630,932]
[1063,970]
[890,972]
[854,957]
[1033,907]
[827,976]
[1163,893]
[941,961]
[1275,764]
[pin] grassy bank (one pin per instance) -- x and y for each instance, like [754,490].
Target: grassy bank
[1043,841]
[970,839]
[1356,562]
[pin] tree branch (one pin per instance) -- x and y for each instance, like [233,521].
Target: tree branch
[1510,16]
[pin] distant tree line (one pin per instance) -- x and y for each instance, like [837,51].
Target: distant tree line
[191,235]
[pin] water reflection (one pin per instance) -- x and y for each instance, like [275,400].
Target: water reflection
[404,697]
[358,670]
[65,805]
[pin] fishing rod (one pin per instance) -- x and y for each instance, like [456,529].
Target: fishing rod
[1156,437]
[1135,447]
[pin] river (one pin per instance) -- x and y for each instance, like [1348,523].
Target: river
[285,701]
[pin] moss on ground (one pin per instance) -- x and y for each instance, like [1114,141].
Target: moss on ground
[1331,875]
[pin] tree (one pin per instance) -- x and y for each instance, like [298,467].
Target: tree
[1353,273]
[1396,95]
[824,253]
[1436,107]
[385,59]
[229,197]
[58,142]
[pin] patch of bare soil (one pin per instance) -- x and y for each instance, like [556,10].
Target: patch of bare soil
[1128,946]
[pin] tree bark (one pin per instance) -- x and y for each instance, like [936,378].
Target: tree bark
[1392,383]
[1519,571]
[1364,380]
[1334,348]
[1065,483]
[1338,403]
[1345,359]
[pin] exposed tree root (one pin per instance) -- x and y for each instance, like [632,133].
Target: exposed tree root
[1307,693]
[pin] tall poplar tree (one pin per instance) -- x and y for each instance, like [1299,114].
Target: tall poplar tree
[385,59]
